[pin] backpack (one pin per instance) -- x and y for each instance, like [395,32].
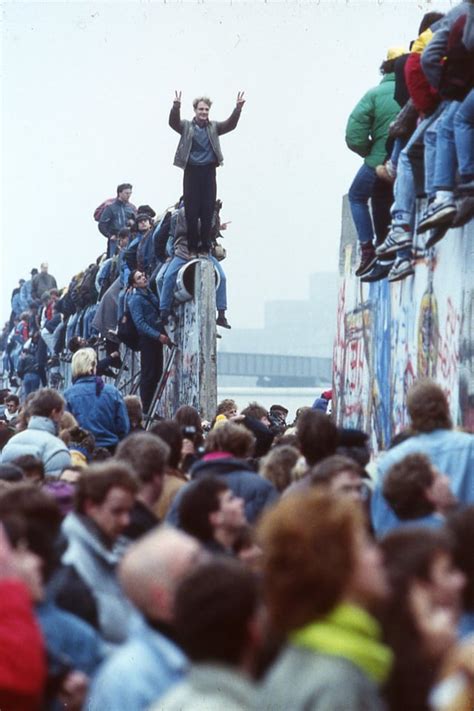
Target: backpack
[84,292]
[100,209]
[127,331]
[457,77]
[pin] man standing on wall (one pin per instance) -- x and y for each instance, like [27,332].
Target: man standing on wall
[199,153]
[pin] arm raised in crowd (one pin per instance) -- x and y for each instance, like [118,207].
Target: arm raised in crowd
[175,114]
[230,123]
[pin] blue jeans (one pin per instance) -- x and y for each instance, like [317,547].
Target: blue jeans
[464,138]
[403,208]
[430,139]
[445,159]
[367,186]
[169,283]
[31,382]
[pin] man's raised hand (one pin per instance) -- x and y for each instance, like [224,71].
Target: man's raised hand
[177,97]
[240,99]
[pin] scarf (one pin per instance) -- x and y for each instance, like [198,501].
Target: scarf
[350,632]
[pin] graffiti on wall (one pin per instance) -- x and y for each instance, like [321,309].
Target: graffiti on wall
[390,335]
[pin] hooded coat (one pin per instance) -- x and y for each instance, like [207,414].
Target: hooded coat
[40,440]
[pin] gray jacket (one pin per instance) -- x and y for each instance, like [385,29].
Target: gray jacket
[40,440]
[210,687]
[303,680]
[186,130]
[96,565]
[436,48]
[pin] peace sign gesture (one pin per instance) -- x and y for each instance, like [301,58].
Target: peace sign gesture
[177,97]
[240,99]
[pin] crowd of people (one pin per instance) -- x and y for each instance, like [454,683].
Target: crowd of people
[415,131]
[240,563]
[127,295]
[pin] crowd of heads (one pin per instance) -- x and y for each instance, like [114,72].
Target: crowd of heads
[240,560]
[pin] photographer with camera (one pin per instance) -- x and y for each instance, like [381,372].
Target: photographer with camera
[192,450]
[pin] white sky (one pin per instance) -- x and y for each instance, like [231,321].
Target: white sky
[87,89]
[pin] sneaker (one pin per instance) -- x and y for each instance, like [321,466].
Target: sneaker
[400,270]
[367,261]
[438,212]
[378,272]
[387,172]
[222,321]
[398,237]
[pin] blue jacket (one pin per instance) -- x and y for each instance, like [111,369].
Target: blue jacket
[451,452]
[115,217]
[138,673]
[98,408]
[256,491]
[145,311]
[69,639]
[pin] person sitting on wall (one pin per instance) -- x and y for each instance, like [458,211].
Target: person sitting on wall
[182,255]
[145,311]
[116,216]
[138,256]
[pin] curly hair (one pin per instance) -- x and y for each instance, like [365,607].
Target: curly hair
[428,407]
[308,556]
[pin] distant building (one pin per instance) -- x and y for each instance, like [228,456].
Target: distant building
[293,327]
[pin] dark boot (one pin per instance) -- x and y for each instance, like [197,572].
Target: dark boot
[367,259]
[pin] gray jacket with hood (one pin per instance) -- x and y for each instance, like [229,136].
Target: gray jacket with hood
[96,566]
[40,440]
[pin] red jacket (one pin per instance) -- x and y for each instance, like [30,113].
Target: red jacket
[22,657]
[424,97]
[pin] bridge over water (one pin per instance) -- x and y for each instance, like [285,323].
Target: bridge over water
[276,370]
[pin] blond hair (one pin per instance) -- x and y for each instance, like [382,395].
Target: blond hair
[84,362]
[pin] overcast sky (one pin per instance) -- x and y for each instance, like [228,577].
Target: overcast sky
[87,89]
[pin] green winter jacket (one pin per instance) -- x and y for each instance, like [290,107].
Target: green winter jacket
[368,124]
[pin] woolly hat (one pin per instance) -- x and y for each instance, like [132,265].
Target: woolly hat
[394,52]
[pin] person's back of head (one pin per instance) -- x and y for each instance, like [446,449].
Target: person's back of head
[308,556]
[145,454]
[216,607]
[43,519]
[254,409]
[135,410]
[317,436]
[278,464]
[200,499]
[45,402]
[429,18]
[428,407]
[170,432]
[31,466]
[84,362]
[153,567]
[11,473]
[461,526]
[406,486]
[232,438]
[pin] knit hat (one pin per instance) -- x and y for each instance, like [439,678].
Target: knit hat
[394,52]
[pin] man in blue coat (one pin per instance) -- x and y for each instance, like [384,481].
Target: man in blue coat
[145,311]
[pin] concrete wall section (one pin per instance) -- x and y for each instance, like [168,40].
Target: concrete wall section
[390,334]
[192,379]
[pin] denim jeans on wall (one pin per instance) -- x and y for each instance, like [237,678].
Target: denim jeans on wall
[367,186]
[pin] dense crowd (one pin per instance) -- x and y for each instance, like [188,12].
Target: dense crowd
[242,563]
[127,295]
[415,131]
